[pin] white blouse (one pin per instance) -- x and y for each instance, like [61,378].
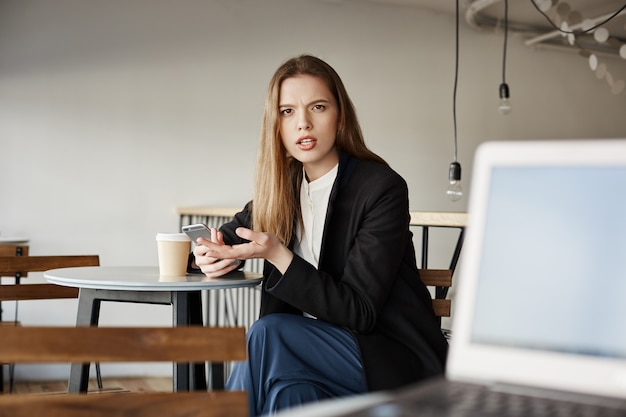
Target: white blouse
[314,197]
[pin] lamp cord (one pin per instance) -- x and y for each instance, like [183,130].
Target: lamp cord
[506,35]
[582,31]
[456,80]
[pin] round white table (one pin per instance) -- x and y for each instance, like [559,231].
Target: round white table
[138,284]
[145,278]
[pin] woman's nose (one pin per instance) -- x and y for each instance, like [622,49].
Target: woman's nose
[304,122]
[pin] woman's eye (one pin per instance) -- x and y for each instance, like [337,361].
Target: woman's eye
[319,107]
[286,112]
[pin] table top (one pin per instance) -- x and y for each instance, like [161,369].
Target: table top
[145,278]
[13,240]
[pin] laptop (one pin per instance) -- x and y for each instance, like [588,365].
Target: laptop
[539,325]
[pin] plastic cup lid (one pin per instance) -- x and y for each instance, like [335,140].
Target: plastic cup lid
[176,237]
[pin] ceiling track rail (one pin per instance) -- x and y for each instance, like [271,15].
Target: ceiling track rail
[536,37]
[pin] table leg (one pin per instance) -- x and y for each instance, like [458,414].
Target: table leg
[88,315]
[187,310]
[180,317]
[198,370]
[217,369]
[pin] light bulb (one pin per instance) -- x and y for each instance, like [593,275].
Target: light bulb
[454,191]
[505,102]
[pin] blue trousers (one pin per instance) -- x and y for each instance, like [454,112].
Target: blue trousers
[293,360]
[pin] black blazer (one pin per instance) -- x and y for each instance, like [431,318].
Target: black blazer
[367,280]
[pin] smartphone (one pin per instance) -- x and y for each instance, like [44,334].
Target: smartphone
[194,231]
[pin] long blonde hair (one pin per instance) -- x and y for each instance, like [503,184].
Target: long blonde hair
[278,175]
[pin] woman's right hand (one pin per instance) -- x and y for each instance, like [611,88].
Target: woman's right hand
[210,266]
[259,245]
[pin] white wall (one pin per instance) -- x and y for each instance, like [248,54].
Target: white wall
[112,113]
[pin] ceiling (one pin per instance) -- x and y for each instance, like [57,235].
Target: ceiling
[525,19]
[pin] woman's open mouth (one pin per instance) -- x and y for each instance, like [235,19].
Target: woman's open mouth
[306,143]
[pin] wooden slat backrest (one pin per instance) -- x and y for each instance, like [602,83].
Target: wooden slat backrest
[13,250]
[28,344]
[146,404]
[438,278]
[441,279]
[18,292]
[124,344]
[10,265]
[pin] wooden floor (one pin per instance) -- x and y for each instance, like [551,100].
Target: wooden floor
[127,384]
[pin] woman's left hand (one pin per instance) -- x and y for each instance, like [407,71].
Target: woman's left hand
[210,266]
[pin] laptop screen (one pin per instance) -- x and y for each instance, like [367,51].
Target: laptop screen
[553,262]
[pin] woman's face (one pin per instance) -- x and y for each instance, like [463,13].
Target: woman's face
[308,123]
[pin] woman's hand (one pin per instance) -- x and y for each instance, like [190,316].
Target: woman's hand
[213,267]
[260,245]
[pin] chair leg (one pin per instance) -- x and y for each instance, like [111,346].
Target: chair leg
[98,376]
[12,365]
[11,374]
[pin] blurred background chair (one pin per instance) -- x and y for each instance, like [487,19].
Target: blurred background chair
[439,279]
[25,344]
[450,227]
[15,262]
[7,249]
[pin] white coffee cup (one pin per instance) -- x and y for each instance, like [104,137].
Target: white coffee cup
[173,250]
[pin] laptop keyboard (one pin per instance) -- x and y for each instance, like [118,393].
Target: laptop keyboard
[498,403]
[469,400]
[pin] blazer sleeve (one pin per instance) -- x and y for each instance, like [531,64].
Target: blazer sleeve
[365,240]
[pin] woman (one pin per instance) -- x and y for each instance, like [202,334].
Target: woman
[343,310]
